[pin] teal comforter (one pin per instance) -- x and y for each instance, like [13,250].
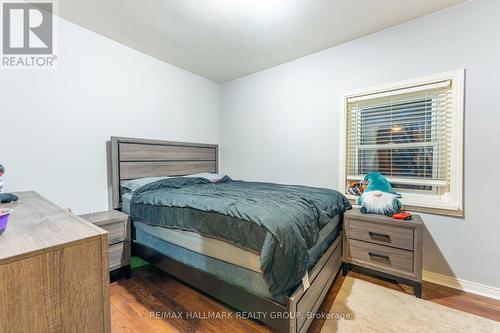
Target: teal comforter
[279,222]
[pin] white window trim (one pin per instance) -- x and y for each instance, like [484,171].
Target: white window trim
[448,204]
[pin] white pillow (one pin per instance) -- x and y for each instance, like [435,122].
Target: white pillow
[213,177]
[134,184]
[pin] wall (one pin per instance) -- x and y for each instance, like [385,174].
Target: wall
[54,123]
[282,124]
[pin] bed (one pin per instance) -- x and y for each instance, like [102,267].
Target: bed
[247,244]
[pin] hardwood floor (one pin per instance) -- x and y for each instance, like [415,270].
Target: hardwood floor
[138,305]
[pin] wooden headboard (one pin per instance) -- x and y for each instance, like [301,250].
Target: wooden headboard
[137,158]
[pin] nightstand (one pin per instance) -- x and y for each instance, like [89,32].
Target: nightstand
[117,224]
[383,246]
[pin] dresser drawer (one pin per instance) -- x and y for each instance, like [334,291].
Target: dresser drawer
[381,256]
[383,234]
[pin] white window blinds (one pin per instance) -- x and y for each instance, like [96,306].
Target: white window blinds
[405,134]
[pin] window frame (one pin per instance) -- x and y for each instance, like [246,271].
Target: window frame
[450,203]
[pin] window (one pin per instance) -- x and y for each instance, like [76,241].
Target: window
[412,133]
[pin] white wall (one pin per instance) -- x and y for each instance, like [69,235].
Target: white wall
[54,123]
[282,124]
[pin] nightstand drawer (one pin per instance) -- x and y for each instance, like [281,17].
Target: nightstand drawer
[381,234]
[117,224]
[117,231]
[381,256]
[114,222]
[119,255]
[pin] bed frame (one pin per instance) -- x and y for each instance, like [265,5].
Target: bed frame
[136,158]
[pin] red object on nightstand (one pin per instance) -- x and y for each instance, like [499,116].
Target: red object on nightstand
[402,216]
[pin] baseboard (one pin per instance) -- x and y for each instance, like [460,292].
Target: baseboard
[471,287]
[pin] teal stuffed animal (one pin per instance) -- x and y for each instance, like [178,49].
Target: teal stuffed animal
[379,197]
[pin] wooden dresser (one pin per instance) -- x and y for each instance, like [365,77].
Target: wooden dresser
[384,246]
[53,270]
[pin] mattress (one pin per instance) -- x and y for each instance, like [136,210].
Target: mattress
[280,222]
[243,272]
[223,250]
[210,247]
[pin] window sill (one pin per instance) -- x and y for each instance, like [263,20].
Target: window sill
[445,210]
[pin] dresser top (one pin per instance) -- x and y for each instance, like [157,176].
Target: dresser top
[38,225]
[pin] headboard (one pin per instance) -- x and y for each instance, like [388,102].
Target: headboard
[137,158]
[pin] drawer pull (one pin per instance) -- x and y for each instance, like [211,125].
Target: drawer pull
[378,256]
[380,237]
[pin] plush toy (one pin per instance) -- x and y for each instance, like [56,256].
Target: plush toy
[357,187]
[379,197]
[5,197]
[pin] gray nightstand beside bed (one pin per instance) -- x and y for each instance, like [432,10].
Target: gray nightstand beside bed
[117,224]
[384,246]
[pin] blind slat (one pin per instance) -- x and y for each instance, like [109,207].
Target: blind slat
[405,134]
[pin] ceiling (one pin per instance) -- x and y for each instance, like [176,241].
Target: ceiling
[226,39]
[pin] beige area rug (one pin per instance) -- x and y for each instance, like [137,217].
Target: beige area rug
[373,308]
